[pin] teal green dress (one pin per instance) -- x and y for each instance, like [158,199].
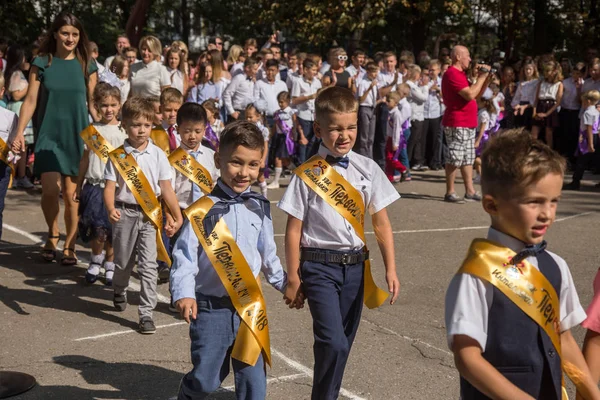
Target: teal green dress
[61,114]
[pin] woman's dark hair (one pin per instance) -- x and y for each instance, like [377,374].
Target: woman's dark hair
[48,46]
[15,56]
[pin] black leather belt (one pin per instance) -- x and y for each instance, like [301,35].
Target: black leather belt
[333,257]
[214,303]
[135,207]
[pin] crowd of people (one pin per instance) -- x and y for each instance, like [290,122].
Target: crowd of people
[152,138]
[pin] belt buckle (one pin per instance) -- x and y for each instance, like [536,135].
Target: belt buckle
[344,260]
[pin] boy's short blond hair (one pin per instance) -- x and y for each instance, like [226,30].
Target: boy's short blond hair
[393,96]
[514,160]
[171,95]
[404,89]
[137,107]
[335,100]
[592,95]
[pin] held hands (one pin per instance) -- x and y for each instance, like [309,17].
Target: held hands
[76,194]
[172,226]
[114,216]
[393,285]
[294,295]
[18,144]
[188,309]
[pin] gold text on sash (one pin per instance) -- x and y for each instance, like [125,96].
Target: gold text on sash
[4,149]
[96,142]
[332,187]
[239,281]
[142,191]
[191,169]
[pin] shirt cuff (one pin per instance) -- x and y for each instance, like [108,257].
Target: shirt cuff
[469,329]
[575,318]
[184,291]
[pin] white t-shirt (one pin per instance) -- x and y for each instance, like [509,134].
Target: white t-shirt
[589,117]
[483,118]
[286,116]
[148,79]
[113,134]
[469,299]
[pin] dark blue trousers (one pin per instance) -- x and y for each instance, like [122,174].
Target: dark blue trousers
[335,298]
[4,181]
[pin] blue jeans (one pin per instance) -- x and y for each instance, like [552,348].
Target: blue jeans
[4,180]
[404,153]
[335,297]
[213,335]
[305,151]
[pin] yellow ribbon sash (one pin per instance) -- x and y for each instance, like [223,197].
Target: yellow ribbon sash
[239,281]
[523,284]
[160,137]
[191,169]
[142,191]
[96,142]
[347,201]
[4,149]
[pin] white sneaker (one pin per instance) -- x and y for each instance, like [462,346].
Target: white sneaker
[273,185]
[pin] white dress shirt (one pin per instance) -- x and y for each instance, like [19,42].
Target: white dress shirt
[322,226]
[239,93]
[302,88]
[386,78]
[526,92]
[9,121]
[433,106]
[183,185]
[405,111]
[152,161]
[469,299]
[148,79]
[417,97]
[352,71]
[570,99]
[268,91]
[363,85]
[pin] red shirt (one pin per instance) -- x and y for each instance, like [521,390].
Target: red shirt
[460,113]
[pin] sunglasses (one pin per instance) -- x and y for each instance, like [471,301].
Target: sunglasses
[342,58]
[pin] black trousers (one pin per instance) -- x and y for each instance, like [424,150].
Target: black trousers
[382,113]
[434,142]
[586,161]
[568,133]
[335,300]
[416,143]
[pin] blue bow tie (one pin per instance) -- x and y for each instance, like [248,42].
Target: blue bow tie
[531,250]
[223,205]
[340,161]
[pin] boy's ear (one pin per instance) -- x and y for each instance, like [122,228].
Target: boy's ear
[490,204]
[217,160]
[317,129]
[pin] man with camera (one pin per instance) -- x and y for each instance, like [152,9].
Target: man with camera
[460,121]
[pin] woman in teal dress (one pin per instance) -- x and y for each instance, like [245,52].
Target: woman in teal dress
[61,83]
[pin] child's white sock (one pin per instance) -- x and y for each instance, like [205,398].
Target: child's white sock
[109,270]
[94,268]
[263,188]
[278,172]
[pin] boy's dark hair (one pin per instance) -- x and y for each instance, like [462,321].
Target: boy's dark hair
[335,100]
[137,107]
[308,64]
[103,90]
[171,95]
[191,112]
[372,67]
[358,52]
[271,63]
[242,133]
[283,96]
[129,49]
[514,160]
[250,62]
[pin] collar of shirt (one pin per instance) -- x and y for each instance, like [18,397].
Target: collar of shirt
[324,152]
[506,240]
[150,64]
[189,150]
[167,126]
[129,148]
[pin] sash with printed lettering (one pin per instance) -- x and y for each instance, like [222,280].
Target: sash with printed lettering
[137,182]
[332,187]
[96,142]
[525,286]
[183,162]
[239,281]
[4,150]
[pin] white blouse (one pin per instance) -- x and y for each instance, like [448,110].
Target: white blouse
[147,79]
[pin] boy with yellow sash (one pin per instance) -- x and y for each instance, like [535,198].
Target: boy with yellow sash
[227,240]
[510,308]
[325,245]
[143,173]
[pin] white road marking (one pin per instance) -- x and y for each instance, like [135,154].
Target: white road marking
[34,238]
[309,372]
[125,332]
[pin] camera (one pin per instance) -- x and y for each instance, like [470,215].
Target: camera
[484,69]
